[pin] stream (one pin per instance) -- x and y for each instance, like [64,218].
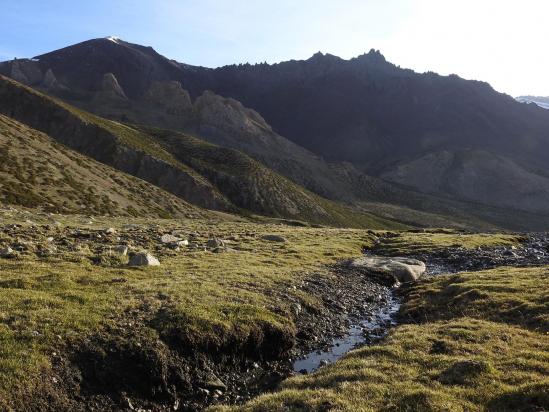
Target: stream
[366,331]
[373,327]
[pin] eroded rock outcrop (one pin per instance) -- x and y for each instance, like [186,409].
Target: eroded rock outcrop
[170,97]
[226,113]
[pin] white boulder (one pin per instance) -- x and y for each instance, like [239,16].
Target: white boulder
[403,269]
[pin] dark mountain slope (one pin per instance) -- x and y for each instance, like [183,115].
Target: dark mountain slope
[365,111]
[223,179]
[94,58]
[109,142]
[379,113]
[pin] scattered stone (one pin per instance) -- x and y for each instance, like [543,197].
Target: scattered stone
[169,239]
[204,392]
[403,269]
[46,252]
[110,231]
[49,239]
[215,243]
[143,259]
[7,252]
[274,238]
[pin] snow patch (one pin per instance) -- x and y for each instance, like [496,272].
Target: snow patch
[114,39]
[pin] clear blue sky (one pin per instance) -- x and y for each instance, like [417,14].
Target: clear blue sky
[499,41]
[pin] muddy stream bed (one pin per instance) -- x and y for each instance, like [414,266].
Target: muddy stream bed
[373,323]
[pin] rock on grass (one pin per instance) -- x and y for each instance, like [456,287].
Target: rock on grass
[143,259]
[274,238]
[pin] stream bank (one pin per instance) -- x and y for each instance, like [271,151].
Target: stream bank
[354,310]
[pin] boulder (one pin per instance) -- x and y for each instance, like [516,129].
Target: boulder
[399,268]
[214,383]
[274,238]
[143,259]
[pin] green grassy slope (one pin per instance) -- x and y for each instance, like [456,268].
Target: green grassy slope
[36,171]
[53,306]
[202,174]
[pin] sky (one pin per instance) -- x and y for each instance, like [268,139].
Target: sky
[503,42]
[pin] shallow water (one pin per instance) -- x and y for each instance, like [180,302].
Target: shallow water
[367,330]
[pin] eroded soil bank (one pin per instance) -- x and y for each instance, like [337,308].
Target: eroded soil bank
[128,368]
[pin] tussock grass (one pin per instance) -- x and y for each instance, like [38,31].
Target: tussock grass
[406,243]
[516,296]
[204,299]
[483,366]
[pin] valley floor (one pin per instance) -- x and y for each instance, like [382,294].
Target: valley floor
[221,318]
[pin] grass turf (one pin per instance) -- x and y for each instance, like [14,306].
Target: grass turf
[480,344]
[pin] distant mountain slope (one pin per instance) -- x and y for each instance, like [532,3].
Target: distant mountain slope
[476,175]
[363,114]
[212,177]
[373,113]
[36,171]
[542,102]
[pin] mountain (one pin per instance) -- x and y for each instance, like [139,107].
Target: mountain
[198,172]
[542,102]
[385,120]
[343,129]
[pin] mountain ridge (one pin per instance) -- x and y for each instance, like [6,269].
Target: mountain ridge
[454,115]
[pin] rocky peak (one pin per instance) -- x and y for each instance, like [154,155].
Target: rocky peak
[372,58]
[320,58]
